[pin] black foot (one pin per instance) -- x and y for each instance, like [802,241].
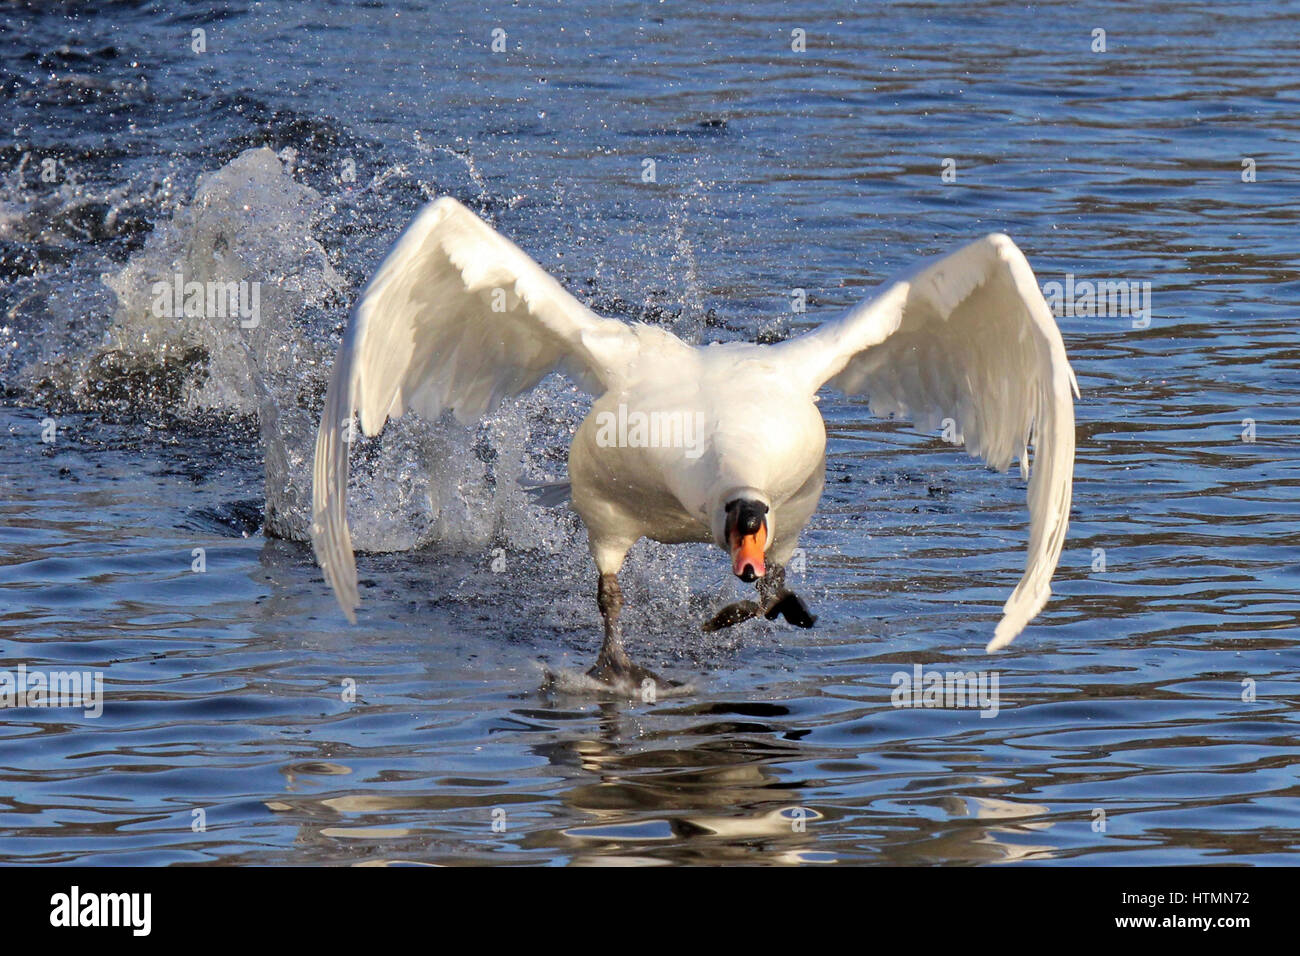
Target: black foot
[792,607]
[789,605]
[731,614]
[627,679]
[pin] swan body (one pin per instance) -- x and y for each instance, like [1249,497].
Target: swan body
[757,434]
[719,443]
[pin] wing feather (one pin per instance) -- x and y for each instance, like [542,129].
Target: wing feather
[968,337]
[457,317]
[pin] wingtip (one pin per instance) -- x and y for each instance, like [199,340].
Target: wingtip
[1006,632]
[1016,616]
[995,645]
[348,599]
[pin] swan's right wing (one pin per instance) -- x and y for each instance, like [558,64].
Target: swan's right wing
[457,317]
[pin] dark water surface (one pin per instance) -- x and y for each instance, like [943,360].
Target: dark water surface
[1148,716]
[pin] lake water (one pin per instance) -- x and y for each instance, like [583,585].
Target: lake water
[154,470]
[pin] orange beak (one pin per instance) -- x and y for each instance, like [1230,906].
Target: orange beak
[747,553]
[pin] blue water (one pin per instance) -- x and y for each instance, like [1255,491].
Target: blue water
[1148,716]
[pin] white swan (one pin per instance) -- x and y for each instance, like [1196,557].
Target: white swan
[721,443]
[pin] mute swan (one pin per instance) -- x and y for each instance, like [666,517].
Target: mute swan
[458,317]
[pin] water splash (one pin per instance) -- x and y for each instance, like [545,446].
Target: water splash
[417,485]
[55,238]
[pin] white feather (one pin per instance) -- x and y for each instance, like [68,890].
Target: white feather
[425,335]
[968,337]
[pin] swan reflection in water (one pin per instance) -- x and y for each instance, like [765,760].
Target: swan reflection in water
[645,798]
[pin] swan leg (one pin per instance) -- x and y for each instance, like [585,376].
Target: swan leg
[773,600]
[613,666]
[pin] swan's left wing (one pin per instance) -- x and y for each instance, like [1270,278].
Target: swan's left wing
[968,337]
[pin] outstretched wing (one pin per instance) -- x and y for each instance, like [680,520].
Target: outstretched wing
[968,337]
[457,317]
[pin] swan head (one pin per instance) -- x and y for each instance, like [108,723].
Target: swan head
[746,533]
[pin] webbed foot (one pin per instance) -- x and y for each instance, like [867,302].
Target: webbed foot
[791,606]
[628,679]
[786,604]
[732,614]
